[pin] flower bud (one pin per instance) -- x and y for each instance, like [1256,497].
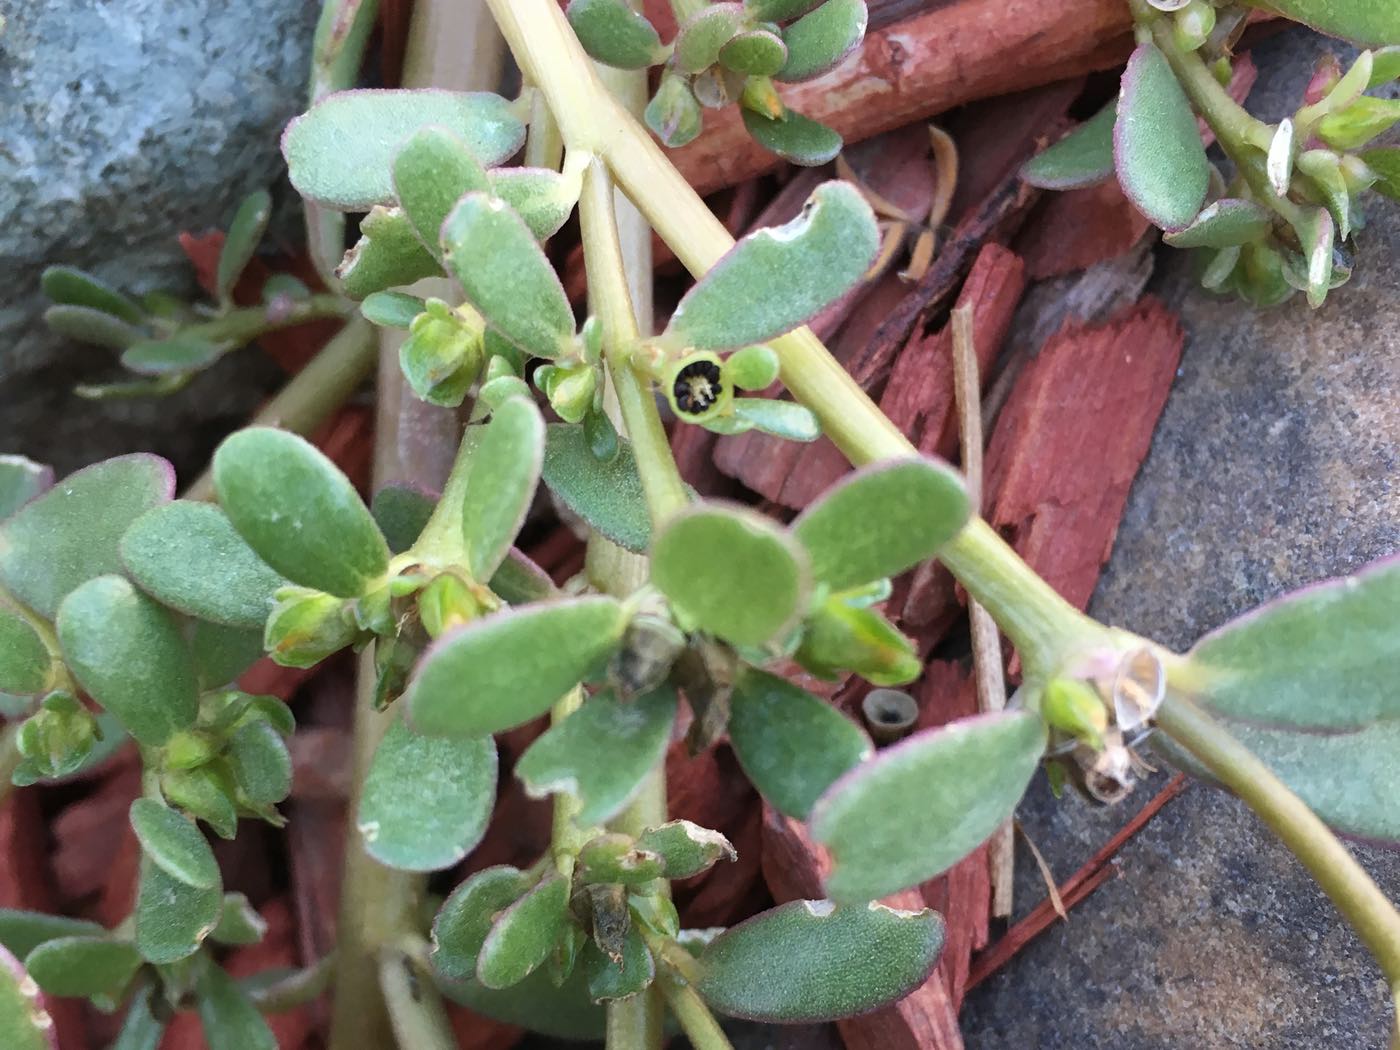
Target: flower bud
[1193,24]
[205,793]
[571,391]
[673,112]
[1076,708]
[752,368]
[443,354]
[447,602]
[841,638]
[56,739]
[306,626]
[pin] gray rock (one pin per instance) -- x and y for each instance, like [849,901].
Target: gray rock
[123,122]
[1274,465]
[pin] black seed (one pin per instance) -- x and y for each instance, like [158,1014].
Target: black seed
[697,387]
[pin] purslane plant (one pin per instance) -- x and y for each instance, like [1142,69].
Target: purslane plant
[150,607]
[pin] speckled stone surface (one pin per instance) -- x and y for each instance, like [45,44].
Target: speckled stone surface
[123,122]
[1275,465]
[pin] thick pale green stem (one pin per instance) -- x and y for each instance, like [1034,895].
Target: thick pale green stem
[315,392]
[693,1015]
[612,304]
[415,1008]
[1044,627]
[1352,890]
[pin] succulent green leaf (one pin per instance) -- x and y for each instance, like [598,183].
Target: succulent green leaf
[1318,234]
[564,1011]
[543,198]
[1222,224]
[615,859]
[778,10]
[793,137]
[387,255]
[601,753]
[1367,22]
[731,572]
[506,275]
[24,660]
[23,931]
[241,241]
[70,534]
[1385,162]
[755,52]
[228,1016]
[402,513]
[1157,148]
[172,918]
[298,511]
[128,654]
[261,764]
[70,286]
[469,683]
[775,278]
[920,806]
[704,34]
[1348,779]
[174,844]
[391,309]
[505,470]
[432,170]
[613,33]
[808,961]
[24,1021]
[426,800]
[1320,659]
[785,419]
[686,849]
[882,520]
[466,917]
[608,496]
[1325,169]
[1359,123]
[340,152]
[180,353]
[519,580]
[609,980]
[21,480]
[817,42]
[140,1030]
[222,653]
[86,325]
[1081,158]
[1385,66]
[673,113]
[791,744]
[524,934]
[81,966]
[189,556]
[239,922]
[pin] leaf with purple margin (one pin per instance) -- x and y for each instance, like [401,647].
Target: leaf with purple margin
[920,806]
[792,745]
[777,277]
[601,753]
[882,520]
[1371,22]
[340,152]
[506,275]
[1223,224]
[793,137]
[809,961]
[387,255]
[24,1020]
[1158,153]
[1081,158]
[1320,659]
[818,42]
[70,534]
[469,683]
